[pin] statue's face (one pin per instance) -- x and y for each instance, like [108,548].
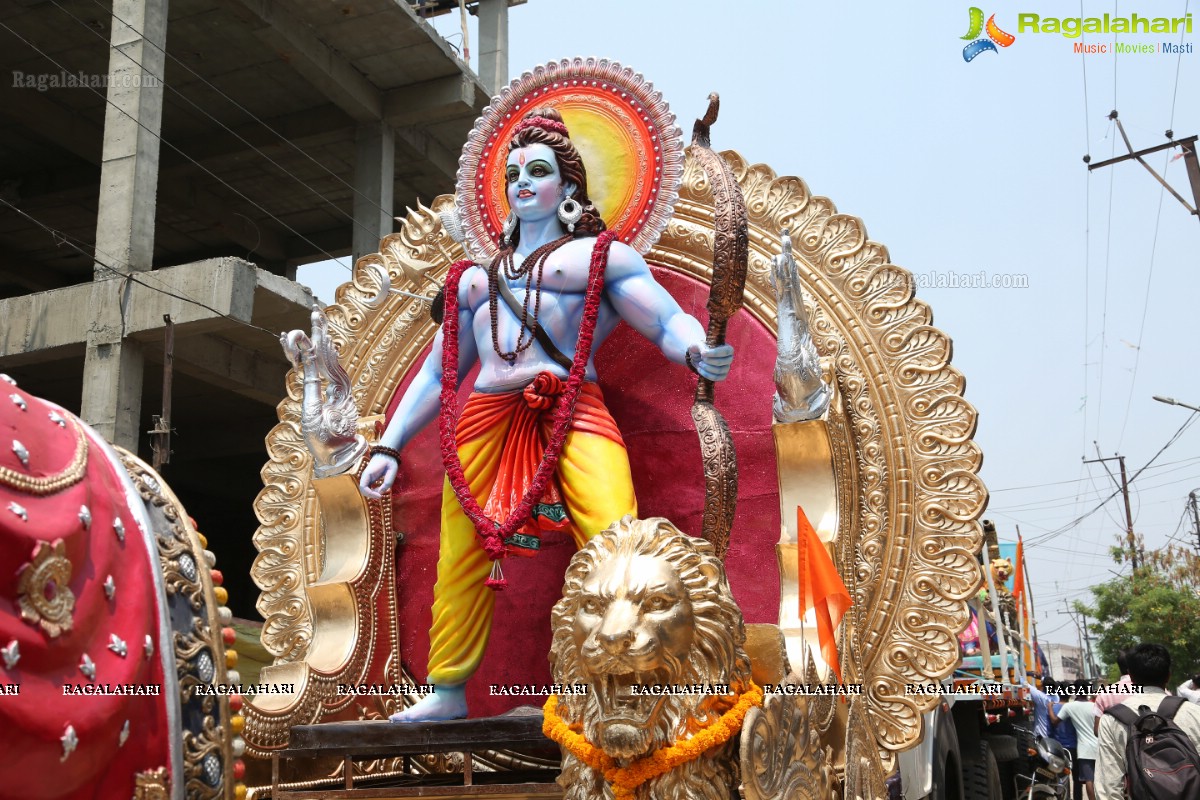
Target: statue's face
[534,182]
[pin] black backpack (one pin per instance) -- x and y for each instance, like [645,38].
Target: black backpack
[1161,762]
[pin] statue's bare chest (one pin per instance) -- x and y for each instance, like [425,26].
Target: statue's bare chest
[562,279]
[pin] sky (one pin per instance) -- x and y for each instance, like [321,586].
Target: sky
[964,167]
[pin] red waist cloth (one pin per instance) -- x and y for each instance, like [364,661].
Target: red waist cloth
[524,420]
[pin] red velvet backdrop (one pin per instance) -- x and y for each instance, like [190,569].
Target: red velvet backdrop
[651,400]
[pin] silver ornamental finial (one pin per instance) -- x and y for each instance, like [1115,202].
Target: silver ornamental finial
[119,527]
[801,392]
[148,646]
[21,453]
[452,223]
[7,379]
[85,517]
[19,510]
[328,417]
[58,419]
[117,646]
[110,587]
[88,667]
[19,401]
[124,735]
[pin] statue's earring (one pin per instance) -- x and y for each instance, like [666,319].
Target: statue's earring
[569,212]
[510,226]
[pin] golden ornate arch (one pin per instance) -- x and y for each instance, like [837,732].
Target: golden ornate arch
[906,465]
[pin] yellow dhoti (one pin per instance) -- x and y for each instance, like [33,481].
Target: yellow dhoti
[497,434]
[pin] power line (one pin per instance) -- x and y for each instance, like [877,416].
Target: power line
[1160,470]
[205,112]
[241,108]
[1107,261]
[132,275]
[1107,512]
[1075,522]
[1116,15]
[206,170]
[1107,240]
[1179,525]
[1137,356]
[1178,64]
[1087,236]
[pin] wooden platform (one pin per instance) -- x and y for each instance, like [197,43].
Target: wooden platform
[374,739]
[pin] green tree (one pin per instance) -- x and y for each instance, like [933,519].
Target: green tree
[1157,602]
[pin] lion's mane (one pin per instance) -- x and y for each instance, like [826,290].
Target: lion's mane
[717,657]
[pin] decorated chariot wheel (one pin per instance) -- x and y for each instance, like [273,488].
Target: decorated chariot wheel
[114,634]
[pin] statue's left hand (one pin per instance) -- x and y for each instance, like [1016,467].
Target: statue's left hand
[712,362]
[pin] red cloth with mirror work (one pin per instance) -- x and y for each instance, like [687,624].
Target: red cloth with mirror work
[54,564]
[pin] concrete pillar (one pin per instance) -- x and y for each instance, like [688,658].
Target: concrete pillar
[374,179]
[112,372]
[493,44]
[132,123]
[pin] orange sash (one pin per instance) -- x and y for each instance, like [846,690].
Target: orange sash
[523,421]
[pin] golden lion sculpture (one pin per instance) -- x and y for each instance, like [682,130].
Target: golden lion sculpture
[645,606]
[1002,570]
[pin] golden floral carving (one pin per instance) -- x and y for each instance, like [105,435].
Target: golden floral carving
[781,750]
[864,770]
[350,620]
[907,472]
[152,784]
[43,588]
[905,455]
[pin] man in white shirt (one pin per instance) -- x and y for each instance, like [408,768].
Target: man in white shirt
[1149,671]
[1190,689]
[1080,714]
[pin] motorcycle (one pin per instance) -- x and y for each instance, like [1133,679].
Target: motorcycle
[1052,771]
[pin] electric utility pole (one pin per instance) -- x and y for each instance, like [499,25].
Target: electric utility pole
[1130,539]
[1187,145]
[1084,640]
[1087,643]
[1195,516]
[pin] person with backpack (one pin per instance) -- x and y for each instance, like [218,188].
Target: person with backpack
[1149,741]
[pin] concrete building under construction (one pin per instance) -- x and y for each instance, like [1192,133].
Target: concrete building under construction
[180,160]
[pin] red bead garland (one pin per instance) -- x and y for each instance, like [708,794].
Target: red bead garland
[491,533]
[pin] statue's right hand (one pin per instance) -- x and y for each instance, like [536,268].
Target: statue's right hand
[379,476]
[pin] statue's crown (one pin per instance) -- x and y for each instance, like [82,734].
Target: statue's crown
[545,123]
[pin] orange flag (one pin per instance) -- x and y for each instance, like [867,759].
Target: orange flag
[1019,575]
[821,588]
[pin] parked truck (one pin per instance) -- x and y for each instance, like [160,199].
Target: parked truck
[978,739]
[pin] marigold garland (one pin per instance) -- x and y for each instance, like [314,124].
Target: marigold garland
[491,532]
[625,780]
